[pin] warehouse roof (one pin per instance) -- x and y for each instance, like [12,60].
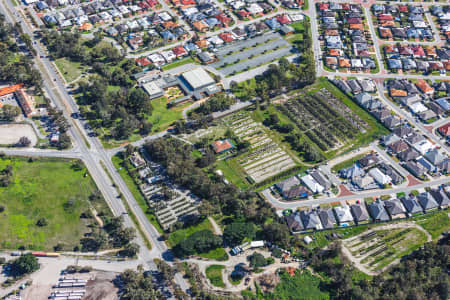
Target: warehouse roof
[198,78]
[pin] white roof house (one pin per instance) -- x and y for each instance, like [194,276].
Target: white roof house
[238,4]
[81,20]
[123,9]
[423,146]
[312,184]
[133,24]
[105,15]
[418,107]
[343,213]
[254,8]
[165,16]
[215,40]
[156,58]
[379,176]
[65,23]
[168,55]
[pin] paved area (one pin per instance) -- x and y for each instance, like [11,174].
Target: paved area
[11,133]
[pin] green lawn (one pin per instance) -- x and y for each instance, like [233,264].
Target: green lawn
[117,161]
[301,286]
[320,236]
[39,189]
[163,117]
[229,169]
[184,61]
[69,69]
[435,223]
[214,274]
[179,235]
[218,254]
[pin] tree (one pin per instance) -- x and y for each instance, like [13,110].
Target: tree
[277,234]
[25,264]
[42,222]
[135,285]
[130,250]
[64,141]
[167,272]
[9,112]
[235,233]
[257,260]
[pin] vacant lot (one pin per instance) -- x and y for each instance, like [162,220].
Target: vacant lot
[11,133]
[46,188]
[162,116]
[69,69]
[376,249]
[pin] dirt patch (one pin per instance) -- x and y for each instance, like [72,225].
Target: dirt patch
[101,287]
[11,133]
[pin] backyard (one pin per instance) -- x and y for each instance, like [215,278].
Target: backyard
[27,199]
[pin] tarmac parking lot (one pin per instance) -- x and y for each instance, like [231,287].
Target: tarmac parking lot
[251,53]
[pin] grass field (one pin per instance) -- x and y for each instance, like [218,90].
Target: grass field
[70,70]
[39,189]
[435,223]
[301,286]
[181,234]
[162,117]
[214,274]
[218,254]
[117,161]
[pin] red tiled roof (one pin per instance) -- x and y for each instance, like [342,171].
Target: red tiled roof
[179,51]
[10,89]
[385,17]
[445,130]
[227,37]
[221,146]
[143,61]
[323,6]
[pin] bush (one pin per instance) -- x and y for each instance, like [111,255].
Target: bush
[42,222]
[277,253]
[25,264]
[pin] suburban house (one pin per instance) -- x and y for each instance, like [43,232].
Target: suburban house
[378,212]
[427,201]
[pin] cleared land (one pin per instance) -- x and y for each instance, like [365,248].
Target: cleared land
[376,249]
[11,133]
[42,189]
[162,116]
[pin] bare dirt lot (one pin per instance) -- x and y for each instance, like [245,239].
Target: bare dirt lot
[11,133]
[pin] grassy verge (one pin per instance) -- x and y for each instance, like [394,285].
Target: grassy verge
[214,274]
[184,61]
[129,211]
[218,254]
[117,161]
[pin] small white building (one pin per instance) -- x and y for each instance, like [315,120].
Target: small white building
[257,244]
[379,176]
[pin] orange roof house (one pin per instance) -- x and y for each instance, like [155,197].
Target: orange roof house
[385,33]
[446,65]
[331,32]
[85,27]
[202,43]
[10,89]
[200,26]
[357,26]
[334,52]
[222,146]
[389,49]
[398,93]
[26,103]
[169,25]
[424,86]
[344,63]
[387,23]
[431,51]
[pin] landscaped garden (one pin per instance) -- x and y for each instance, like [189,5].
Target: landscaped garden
[43,202]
